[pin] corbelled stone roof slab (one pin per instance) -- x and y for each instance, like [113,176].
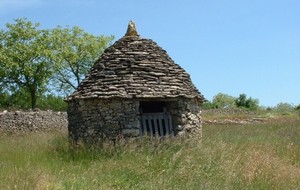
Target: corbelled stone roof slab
[134,67]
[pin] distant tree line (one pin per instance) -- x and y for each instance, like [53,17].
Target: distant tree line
[37,63]
[223,101]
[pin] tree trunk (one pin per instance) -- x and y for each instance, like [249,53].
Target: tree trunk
[33,96]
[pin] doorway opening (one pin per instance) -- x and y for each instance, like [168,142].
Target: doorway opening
[155,119]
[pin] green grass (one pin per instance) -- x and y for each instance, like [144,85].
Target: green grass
[260,156]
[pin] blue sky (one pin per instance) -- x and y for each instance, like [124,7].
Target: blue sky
[233,46]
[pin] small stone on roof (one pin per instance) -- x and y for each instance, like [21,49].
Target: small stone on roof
[131,30]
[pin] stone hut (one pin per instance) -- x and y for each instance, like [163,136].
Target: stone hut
[134,89]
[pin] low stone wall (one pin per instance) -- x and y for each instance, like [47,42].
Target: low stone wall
[236,121]
[227,111]
[32,121]
[231,116]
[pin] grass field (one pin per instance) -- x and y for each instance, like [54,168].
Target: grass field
[257,156]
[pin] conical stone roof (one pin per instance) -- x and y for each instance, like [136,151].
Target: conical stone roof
[134,67]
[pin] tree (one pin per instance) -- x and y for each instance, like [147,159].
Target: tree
[207,105]
[284,107]
[223,101]
[25,58]
[52,102]
[30,58]
[75,52]
[15,100]
[243,102]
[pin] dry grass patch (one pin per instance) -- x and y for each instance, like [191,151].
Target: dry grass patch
[267,164]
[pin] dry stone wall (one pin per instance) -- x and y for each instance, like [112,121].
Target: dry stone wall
[228,111]
[189,117]
[32,121]
[93,120]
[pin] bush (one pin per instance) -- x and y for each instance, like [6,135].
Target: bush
[284,108]
[223,101]
[18,100]
[208,105]
[21,100]
[52,102]
[243,102]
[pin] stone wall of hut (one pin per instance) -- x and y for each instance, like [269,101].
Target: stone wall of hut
[186,116]
[93,120]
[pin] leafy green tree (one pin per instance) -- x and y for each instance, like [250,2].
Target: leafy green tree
[243,102]
[252,104]
[222,100]
[31,57]
[25,58]
[52,102]
[21,100]
[75,52]
[208,105]
[3,100]
[15,100]
[284,107]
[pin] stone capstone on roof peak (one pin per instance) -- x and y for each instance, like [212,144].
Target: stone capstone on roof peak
[131,30]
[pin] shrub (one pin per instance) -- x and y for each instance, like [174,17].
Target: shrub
[52,102]
[223,101]
[21,100]
[284,108]
[243,102]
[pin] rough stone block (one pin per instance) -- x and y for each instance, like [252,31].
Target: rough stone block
[131,132]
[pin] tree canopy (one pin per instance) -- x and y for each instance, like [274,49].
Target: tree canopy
[75,52]
[25,58]
[33,59]
[222,100]
[244,102]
